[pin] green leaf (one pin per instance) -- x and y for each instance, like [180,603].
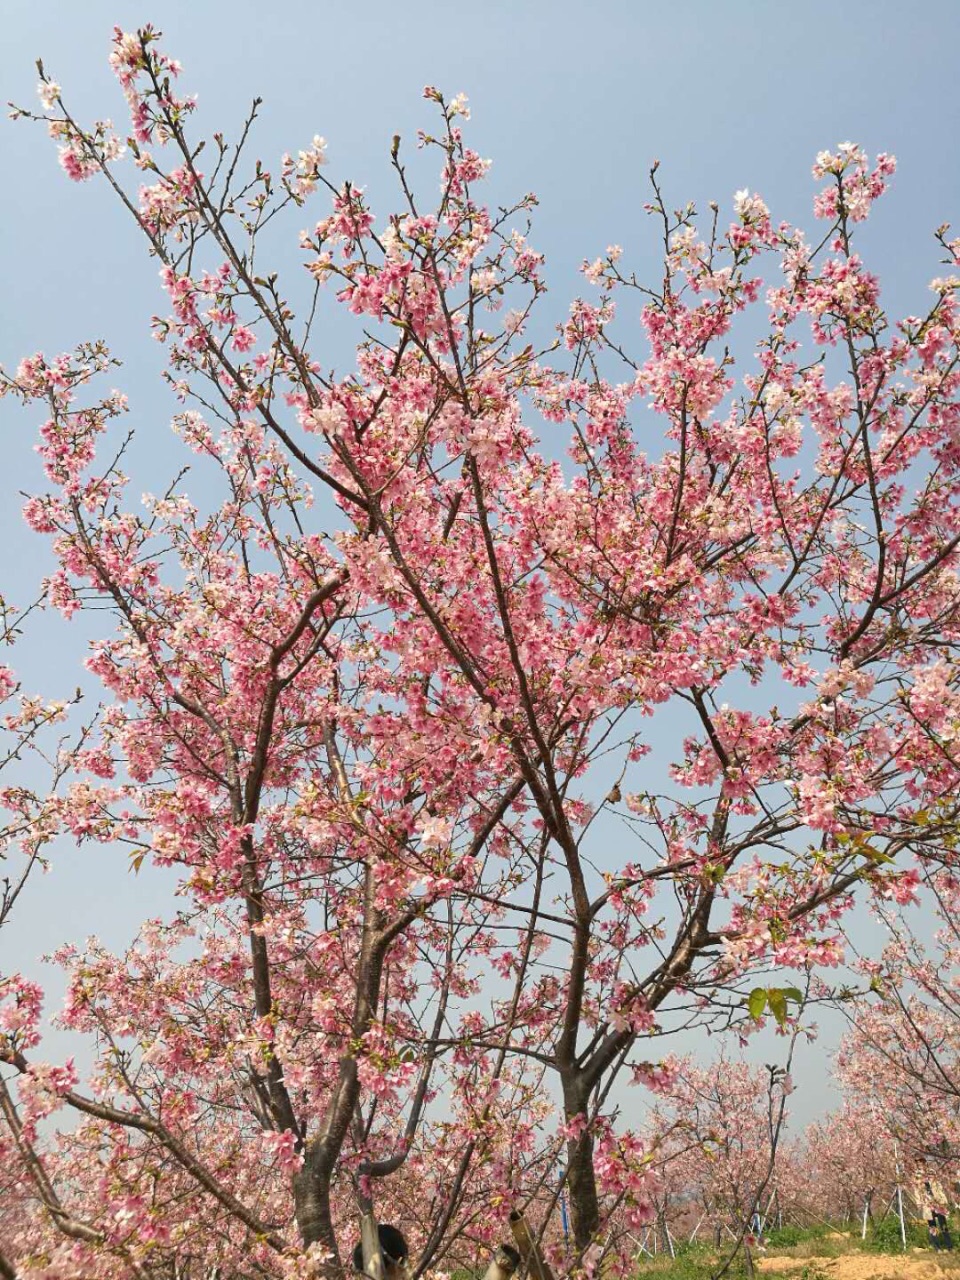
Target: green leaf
[777,1000]
[794,993]
[757,1002]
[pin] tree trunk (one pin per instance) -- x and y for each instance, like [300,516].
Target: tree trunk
[311,1197]
[581,1175]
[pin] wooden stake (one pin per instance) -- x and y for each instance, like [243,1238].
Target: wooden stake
[370,1244]
[504,1264]
[530,1253]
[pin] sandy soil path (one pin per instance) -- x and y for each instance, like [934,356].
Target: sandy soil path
[863,1267]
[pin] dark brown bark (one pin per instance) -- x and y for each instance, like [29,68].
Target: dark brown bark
[581,1175]
[311,1198]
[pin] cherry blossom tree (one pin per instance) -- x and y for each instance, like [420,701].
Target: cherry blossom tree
[902,1051]
[847,1165]
[33,745]
[368,683]
[283,727]
[722,1127]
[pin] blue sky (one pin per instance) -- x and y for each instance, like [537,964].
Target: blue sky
[571,101]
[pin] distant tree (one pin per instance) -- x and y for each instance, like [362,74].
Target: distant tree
[722,1128]
[848,1162]
[902,1052]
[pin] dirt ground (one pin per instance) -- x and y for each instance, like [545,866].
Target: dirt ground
[858,1266]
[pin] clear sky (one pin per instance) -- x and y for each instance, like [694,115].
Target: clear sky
[572,101]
